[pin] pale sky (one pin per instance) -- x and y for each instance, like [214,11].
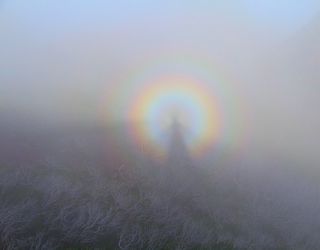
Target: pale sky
[59,47]
[284,15]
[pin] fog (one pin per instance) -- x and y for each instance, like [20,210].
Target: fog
[68,70]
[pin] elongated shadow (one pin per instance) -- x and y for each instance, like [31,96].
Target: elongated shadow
[178,153]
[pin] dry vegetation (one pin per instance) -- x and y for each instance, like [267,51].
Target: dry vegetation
[67,203]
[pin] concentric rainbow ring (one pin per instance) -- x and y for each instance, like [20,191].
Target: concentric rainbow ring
[188,99]
[205,104]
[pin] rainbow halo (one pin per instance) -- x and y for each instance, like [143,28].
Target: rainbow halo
[206,108]
[174,97]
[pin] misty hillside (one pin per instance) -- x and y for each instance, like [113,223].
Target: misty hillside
[70,190]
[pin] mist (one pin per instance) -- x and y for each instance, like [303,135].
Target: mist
[70,72]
